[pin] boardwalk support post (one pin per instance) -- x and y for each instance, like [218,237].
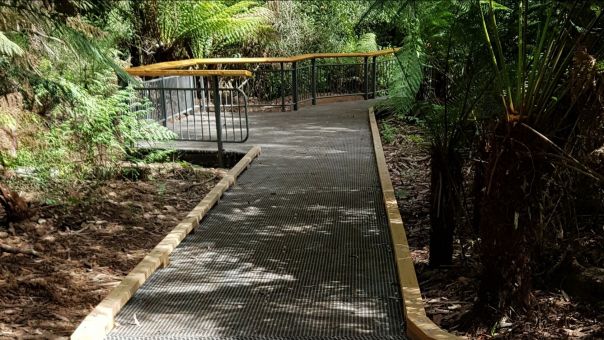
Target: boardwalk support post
[218,122]
[366,74]
[313,80]
[295,85]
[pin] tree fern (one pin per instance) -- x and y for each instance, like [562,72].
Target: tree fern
[37,21]
[207,25]
[9,48]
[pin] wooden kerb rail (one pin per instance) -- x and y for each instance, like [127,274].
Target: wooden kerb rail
[101,320]
[419,326]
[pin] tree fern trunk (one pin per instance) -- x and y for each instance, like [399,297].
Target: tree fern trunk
[478,182]
[446,179]
[510,215]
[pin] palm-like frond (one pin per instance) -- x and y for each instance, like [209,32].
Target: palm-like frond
[209,24]
[409,73]
[8,47]
[34,18]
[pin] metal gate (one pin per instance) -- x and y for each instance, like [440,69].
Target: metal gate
[198,108]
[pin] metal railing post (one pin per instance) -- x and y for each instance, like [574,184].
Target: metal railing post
[313,80]
[162,98]
[366,69]
[295,85]
[374,76]
[282,87]
[218,122]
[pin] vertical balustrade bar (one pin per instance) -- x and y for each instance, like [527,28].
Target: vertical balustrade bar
[295,85]
[218,123]
[282,88]
[374,76]
[366,74]
[313,80]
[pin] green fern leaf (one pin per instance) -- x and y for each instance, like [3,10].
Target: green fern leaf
[9,48]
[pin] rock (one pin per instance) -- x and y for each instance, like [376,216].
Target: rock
[8,139]
[161,217]
[25,171]
[41,221]
[41,230]
[49,238]
[169,208]
[585,282]
[3,234]
[27,226]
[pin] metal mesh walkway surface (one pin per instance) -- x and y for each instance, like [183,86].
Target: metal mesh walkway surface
[298,249]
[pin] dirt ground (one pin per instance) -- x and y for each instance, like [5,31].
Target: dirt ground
[449,293]
[86,246]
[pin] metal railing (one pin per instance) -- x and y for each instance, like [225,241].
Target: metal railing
[198,108]
[290,85]
[212,105]
[287,83]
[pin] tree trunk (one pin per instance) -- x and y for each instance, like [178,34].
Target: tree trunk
[478,182]
[510,215]
[445,186]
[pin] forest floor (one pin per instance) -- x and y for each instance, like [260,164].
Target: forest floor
[87,245]
[450,293]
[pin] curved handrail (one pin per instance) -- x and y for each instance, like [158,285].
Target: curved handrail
[270,60]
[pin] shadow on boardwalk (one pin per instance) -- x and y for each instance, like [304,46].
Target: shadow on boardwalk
[299,249]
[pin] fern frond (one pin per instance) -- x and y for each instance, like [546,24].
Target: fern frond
[8,47]
[366,43]
[204,24]
[408,77]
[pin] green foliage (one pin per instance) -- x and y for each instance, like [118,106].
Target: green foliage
[389,132]
[293,30]
[7,121]
[408,76]
[160,156]
[417,139]
[315,26]
[204,26]
[365,43]
[8,47]
[440,74]
[544,83]
[333,23]
[37,28]
[95,129]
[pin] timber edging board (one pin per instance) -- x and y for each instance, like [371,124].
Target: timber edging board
[101,320]
[418,325]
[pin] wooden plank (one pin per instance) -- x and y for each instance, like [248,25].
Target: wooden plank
[419,326]
[101,320]
[270,60]
[203,73]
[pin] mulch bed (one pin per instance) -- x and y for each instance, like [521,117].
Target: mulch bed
[86,245]
[449,293]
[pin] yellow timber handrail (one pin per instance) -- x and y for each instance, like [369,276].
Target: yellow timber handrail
[169,67]
[202,73]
